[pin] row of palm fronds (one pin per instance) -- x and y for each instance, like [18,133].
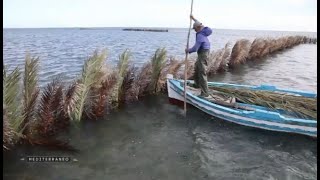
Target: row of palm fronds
[245,50]
[242,51]
[25,118]
[37,115]
[297,106]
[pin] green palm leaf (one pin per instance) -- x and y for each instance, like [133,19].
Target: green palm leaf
[123,66]
[158,62]
[11,97]
[91,75]
[30,93]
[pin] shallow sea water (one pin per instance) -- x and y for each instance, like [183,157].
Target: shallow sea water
[150,139]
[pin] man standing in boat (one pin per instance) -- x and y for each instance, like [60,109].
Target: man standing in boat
[202,47]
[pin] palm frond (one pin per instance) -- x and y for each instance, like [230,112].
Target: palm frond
[30,79]
[158,62]
[4,80]
[265,51]
[141,82]
[239,52]
[172,66]
[80,96]
[52,117]
[30,92]
[298,106]
[29,114]
[11,98]
[8,132]
[256,48]
[62,120]
[102,75]
[89,77]
[127,83]
[175,67]
[123,65]
[225,58]
[102,99]
[70,98]
[214,62]
[190,69]
[273,46]
[48,108]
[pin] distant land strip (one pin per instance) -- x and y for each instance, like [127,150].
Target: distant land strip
[144,29]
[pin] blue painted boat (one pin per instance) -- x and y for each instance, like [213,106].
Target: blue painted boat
[254,116]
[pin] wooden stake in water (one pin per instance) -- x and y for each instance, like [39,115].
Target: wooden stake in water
[186,65]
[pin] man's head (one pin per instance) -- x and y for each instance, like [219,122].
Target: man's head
[197,26]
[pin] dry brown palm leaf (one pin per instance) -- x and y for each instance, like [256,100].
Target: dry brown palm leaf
[266,49]
[141,82]
[103,91]
[70,98]
[220,60]
[127,85]
[240,52]
[256,48]
[214,61]
[51,114]
[172,67]
[190,70]
[225,58]
[273,46]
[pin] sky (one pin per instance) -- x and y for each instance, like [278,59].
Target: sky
[282,15]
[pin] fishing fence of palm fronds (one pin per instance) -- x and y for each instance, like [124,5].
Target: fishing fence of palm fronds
[33,114]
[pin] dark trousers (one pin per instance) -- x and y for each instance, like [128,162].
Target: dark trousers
[200,71]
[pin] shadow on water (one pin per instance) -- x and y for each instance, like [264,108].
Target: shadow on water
[151,139]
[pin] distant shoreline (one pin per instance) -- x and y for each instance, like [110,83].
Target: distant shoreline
[146,29]
[120,28]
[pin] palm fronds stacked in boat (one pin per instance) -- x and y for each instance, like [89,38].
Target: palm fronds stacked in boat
[298,106]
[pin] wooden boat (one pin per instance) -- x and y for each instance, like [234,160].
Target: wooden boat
[245,114]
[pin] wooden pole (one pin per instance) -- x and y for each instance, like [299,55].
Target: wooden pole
[186,65]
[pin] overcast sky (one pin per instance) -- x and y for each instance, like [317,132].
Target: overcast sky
[287,15]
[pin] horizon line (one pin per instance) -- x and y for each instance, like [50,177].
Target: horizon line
[152,27]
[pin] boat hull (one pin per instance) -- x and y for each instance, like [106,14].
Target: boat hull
[257,118]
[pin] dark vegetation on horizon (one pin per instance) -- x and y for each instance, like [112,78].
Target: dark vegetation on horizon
[37,117]
[145,29]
